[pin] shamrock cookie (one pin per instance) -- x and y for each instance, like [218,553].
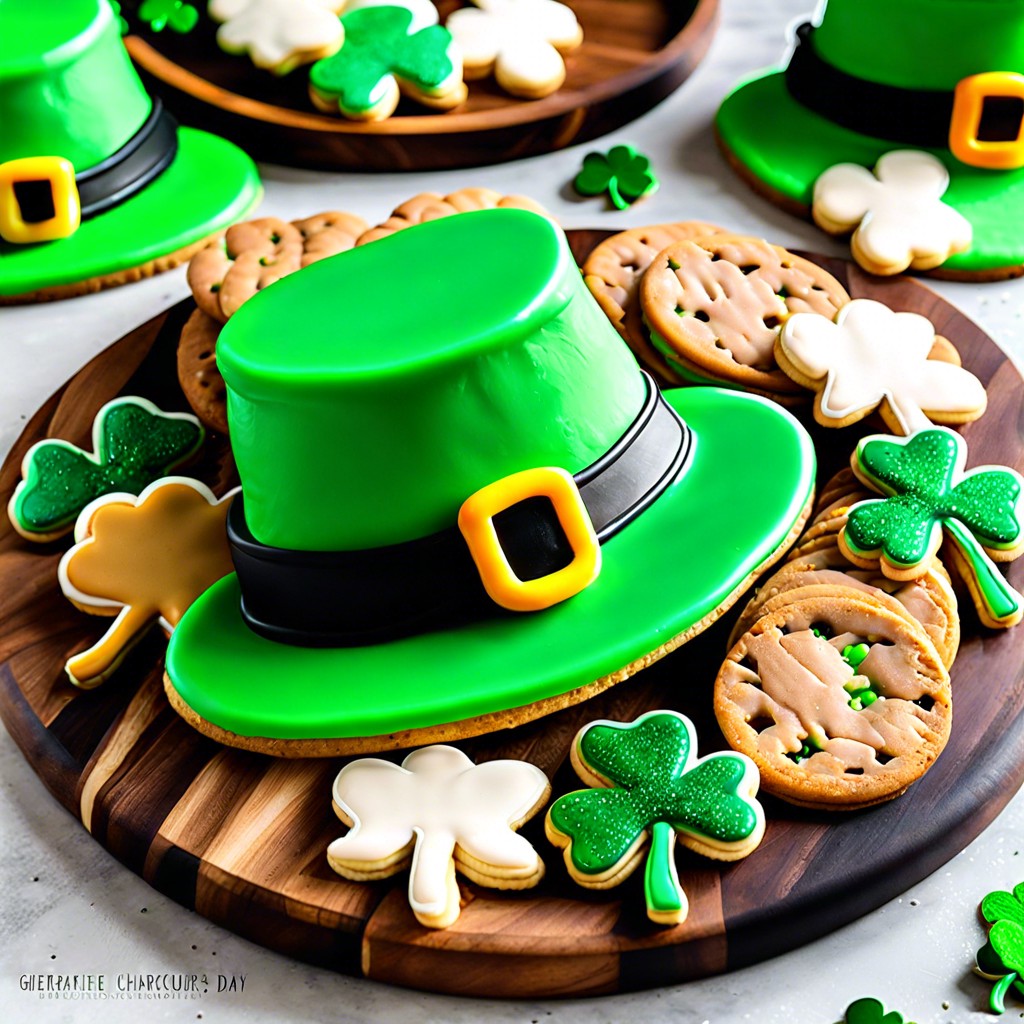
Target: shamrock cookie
[521,41]
[278,35]
[256,253]
[134,443]
[928,495]
[872,1011]
[613,272]
[381,58]
[441,812]
[429,206]
[871,357]
[143,560]
[840,702]
[714,307]
[1001,959]
[650,787]
[897,215]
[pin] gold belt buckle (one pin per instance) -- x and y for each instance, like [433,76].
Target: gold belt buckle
[476,521]
[968,103]
[59,175]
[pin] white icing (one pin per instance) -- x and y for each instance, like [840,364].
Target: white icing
[438,800]
[521,39]
[872,354]
[898,212]
[277,34]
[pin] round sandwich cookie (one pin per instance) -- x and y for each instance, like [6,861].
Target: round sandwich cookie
[840,702]
[493,536]
[98,184]
[911,116]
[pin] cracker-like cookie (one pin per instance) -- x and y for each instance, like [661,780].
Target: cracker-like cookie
[198,375]
[871,357]
[431,206]
[718,303]
[840,702]
[440,812]
[613,271]
[256,253]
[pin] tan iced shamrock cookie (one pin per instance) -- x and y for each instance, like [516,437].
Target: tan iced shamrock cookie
[256,253]
[431,206]
[716,305]
[613,272]
[142,559]
[841,703]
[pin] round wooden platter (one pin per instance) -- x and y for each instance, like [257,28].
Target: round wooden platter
[634,54]
[241,838]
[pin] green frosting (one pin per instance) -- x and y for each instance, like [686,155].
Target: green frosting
[135,443]
[787,148]
[922,44]
[378,45]
[67,87]
[240,682]
[423,367]
[658,786]
[1002,957]
[928,491]
[622,172]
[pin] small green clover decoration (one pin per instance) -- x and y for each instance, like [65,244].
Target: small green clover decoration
[134,444]
[623,173]
[871,1011]
[928,493]
[173,14]
[1001,959]
[650,786]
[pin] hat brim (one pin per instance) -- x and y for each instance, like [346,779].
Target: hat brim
[744,492]
[784,147]
[210,184]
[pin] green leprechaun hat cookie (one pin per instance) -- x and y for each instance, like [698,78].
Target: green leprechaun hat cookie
[942,79]
[98,184]
[462,502]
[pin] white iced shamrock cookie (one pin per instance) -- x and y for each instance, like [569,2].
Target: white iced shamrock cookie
[279,35]
[521,41]
[871,356]
[442,812]
[896,214]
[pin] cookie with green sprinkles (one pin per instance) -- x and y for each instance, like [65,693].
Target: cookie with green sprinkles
[649,789]
[133,444]
[928,496]
[715,305]
[840,702]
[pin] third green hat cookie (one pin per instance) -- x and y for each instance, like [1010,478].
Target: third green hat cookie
[943,76]
[463,505]
[98,184]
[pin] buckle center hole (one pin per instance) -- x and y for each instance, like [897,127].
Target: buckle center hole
[1001,118]
[532,538]
[35,200]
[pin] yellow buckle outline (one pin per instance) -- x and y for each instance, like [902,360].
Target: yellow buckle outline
[968,100]
[60,173]
[476,522]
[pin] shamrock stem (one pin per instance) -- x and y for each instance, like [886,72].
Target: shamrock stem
[91,667]
[616,195]
[999,991]
[1001,600]
[666,901]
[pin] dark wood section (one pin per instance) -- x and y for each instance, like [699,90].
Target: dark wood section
[633,56]
[241,838]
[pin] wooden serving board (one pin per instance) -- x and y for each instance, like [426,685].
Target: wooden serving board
[634,54]
[241,838]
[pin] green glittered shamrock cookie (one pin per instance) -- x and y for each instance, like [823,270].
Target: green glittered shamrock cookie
[650,787]
[928,496]
[380,59]
[134,443]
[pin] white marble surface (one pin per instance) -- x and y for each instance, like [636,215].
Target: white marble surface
[69,908]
